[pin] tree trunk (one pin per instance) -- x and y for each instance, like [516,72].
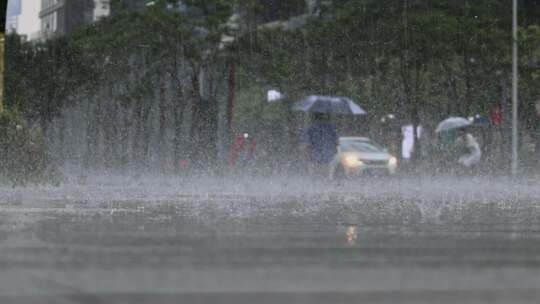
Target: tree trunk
[178,124]
[92,134]
[86,161]
[231,97]
[115,133]
[108,132]
[124,137]
[146,133]
[464,105]
[195,128]
[162,145]
[453,104]
[415,115]
[138,135]
[62,137]
[179,106]
[208,132]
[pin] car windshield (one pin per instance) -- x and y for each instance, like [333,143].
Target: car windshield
[359,145]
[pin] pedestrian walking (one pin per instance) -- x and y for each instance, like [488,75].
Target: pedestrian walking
[321,140]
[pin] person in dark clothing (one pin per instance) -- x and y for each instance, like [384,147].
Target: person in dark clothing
[321,141]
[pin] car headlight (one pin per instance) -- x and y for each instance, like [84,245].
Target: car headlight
[392,162]
[351,161]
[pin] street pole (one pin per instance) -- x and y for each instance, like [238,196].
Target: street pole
[514,90]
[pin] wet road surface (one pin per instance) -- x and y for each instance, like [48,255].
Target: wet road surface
[385,241]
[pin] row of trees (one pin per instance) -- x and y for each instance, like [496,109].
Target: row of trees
[419,60]
[156,86]
[432,59]
[120,72]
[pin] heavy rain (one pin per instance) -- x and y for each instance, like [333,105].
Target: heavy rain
[279,151]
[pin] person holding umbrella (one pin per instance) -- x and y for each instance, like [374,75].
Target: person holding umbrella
[321,138]
[321,142]
[459,146]
[470,149]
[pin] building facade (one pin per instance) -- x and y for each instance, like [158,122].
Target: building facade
[60,17]
[12,16]
[12,22]
[23,18]
[123,5]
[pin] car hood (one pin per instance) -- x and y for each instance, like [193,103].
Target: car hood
[373,156]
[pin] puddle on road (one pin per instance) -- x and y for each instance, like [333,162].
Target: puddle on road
[279,232]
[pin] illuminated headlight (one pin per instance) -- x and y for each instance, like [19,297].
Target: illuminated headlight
[351,161]
[392,162]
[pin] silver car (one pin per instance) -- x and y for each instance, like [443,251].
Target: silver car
[357,155]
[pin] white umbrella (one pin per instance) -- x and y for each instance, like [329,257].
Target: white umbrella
[452,123]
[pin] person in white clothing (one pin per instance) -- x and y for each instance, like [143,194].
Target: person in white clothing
[470,149]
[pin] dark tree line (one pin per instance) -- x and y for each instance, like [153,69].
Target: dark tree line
[151,88]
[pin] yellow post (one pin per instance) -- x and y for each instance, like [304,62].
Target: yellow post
[1,72]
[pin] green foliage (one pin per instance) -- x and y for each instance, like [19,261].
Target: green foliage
[139,44]
[435,58]
[426,59]
[24,156]
[39,77]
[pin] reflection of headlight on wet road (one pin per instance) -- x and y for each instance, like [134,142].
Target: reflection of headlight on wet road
[351,234]
[392,162]
[351,161]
